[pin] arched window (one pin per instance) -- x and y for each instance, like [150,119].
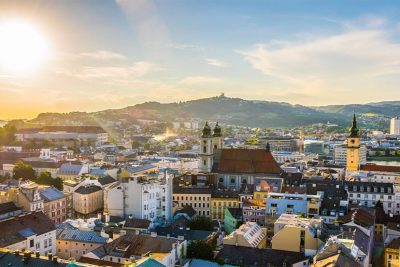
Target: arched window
[221,180]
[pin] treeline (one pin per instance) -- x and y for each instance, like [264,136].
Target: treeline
[26,172]
[7,135]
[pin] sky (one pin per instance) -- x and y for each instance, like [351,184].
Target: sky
[106,54]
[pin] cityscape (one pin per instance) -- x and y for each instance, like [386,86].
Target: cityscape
[148,133]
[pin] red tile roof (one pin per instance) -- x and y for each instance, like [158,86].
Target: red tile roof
[380,168]
[246,161]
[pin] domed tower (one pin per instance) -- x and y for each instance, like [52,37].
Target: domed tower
[353,147]
[206,149]
[217,137]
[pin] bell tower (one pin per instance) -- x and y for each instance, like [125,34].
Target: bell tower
[353,147]
[217,137]
[206,149]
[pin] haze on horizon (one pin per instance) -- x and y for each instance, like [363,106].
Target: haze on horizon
[96,54]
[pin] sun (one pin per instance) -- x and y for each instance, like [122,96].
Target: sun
[23,48]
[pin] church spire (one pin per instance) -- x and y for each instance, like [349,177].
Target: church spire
[354,129]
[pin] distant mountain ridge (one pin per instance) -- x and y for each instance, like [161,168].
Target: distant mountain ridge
[252,113]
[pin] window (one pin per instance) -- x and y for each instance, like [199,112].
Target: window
[204,163]
[31,243]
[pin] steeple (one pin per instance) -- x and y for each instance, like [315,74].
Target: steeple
[206,131]
[354,129]
[217,131]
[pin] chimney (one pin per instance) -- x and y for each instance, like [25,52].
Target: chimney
[55,259]
[50,256]
[107,219]
[268,147]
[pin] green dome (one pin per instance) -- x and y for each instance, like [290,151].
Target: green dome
[206,131]
[217,132]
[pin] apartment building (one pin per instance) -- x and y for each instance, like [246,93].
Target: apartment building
[88,199]
[199,198]
[280,203]
[249,234]
[222,199]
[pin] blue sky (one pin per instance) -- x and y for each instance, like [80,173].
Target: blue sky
[111,54]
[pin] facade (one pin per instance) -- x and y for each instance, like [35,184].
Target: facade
[262,186]
[199,198]
[221,199]
[32,232]
[88,199]
[314,147]
[232,218]
[55,204]
[280,203]
[249,234]
[368,194]
[286,144]
[143,197]
[27,197]
[73,243]
[292,233]
[395,126]
[340,154]
[392,254]
[65,135]
[254,211]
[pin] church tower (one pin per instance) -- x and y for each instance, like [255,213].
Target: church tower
[206,149]
[217,137]
[353,147]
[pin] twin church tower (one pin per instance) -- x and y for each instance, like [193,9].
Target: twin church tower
[210,141]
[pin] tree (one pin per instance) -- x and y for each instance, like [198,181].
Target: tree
[22,170]
[201,223]
[200,250]
[45,178]
[7,134]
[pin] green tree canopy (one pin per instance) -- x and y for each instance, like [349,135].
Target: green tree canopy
[200,250]
[45,178]
[22,170]
[201,223]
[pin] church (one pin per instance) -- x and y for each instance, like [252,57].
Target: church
[233,168]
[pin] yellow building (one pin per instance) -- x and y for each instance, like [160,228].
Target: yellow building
[198,198]
[353,148]
[222,199]
[392,253]
[292,233]
[88,199]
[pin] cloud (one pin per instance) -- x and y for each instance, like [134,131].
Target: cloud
[103,55]
[193,80]
[352,59]
[136,70]
[215,62]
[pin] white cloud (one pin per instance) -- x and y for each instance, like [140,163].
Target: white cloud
[136,70]
[351,59]
[193,80]
[103,55]
[215,62]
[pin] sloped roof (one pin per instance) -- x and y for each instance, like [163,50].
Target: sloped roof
[187,209]
[106,180]
[51,194]
[8,207]
[13,230]
[137,223]
[80,236]
[68,168]
[88,189]
[245,161]
[380,168]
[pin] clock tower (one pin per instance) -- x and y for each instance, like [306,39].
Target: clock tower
[353,147]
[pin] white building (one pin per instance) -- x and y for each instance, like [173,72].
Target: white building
[32,232]
[395,126]
[340,155]
[249,234]
[143,197]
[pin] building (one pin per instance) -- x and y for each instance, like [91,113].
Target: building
[249,234]
[73,243]
[340,154]
[27,258]
[32,231]
[280,203]
[235,167]
[392,254]
[314,147]
[292,233]
[132,247]
[353,148]
[233,217]
[282,144]
[54,202]
[262,186]
[368,194]
[70,136]
[69,171]
[27,197]
[254,211]
[88,199]
[395,126]
[8,210]
[221,199]
[210,142]
[199,198]
[143,197]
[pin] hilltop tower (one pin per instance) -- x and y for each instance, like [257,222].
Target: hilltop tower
[353,147]
[206,149]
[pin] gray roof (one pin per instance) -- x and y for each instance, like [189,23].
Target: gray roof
[105,180]
[80,236]
[88,189]
[10,259]
[68,168]
[51,194]
[8,207]
[141,168]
